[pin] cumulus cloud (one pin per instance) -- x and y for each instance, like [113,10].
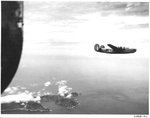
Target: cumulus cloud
[21,97]
[63,89]
[61,83]
[15,89]
[11,90]
[26,91]
[46,93]
[47,83]
[8,90]
[19,94]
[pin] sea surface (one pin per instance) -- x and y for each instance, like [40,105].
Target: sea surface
[108,84]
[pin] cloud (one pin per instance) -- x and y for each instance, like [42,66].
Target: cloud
[57,10]
[17,95]
[126,9]
[63,89]
[137,9]
[67,11]
[21,97]
[47,83]
[61,83]
[47,93]
[146,25]
[71,28]
[11,90]
[60,43]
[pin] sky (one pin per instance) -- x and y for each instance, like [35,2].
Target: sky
[72,28]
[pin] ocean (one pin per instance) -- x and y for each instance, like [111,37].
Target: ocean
[108,84]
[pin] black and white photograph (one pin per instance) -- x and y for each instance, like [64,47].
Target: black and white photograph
[74,57]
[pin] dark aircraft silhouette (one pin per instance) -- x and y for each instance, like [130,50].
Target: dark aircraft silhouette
[11,40]
[113,50]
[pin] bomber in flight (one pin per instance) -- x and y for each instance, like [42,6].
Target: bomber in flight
[113,49]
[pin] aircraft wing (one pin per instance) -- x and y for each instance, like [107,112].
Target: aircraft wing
[113,47]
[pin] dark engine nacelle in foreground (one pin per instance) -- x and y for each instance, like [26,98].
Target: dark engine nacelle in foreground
[11,40]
